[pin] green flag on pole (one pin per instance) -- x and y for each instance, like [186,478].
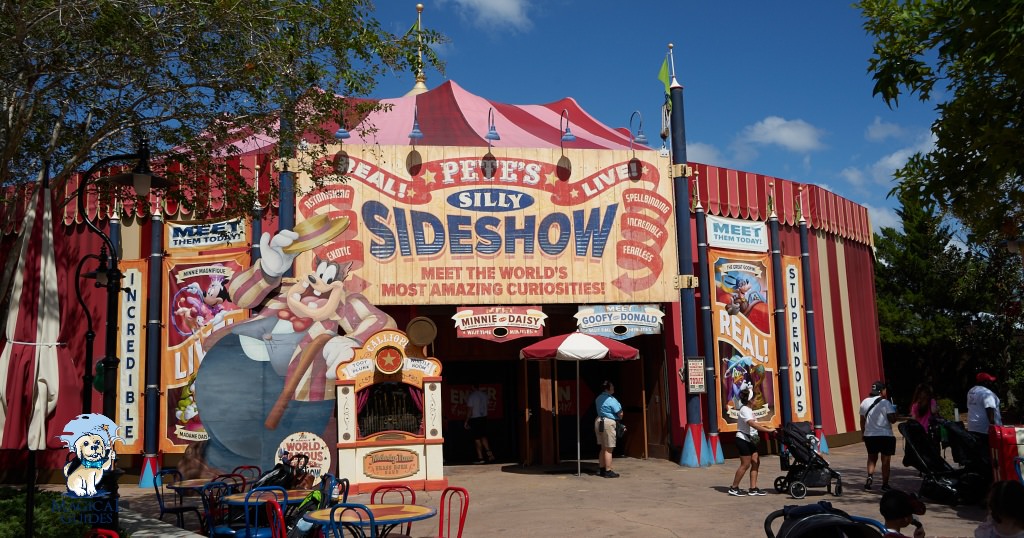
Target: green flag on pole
[414,28]
[664,78]
[663,75]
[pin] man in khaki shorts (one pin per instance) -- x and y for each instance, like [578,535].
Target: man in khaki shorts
[609,412]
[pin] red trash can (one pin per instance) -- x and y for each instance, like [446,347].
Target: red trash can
[1005,443]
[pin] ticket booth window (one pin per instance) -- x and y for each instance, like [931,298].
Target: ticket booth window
[390,407]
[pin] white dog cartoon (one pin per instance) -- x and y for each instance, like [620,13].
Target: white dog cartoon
[91,439]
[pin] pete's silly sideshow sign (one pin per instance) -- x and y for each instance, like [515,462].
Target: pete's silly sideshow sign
[456,225]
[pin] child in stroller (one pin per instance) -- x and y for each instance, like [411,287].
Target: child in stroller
[941,482]
[809,468]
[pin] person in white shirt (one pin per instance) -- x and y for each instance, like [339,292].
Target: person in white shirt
[877,415]
[476,422]
[982,411]
[983,406]
[746,428]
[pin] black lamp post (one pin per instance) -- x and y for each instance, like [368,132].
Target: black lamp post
[109,277]
[90,335]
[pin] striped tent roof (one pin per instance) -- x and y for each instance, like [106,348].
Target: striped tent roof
[449,115]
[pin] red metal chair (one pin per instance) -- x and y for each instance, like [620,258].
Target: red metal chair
[275,519]
[249,472]
[453,509]
[394,494]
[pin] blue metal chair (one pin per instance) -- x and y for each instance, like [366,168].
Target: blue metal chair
[253,501]
[170,502]
[359,524]
[216,513]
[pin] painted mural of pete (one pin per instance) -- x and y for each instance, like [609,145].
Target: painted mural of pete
[90,438]
[273,374]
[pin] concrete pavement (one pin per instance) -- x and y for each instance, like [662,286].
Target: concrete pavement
[652,498]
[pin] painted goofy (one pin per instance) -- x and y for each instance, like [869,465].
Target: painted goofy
[273,374]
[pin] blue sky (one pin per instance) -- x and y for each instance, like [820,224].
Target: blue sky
[776,88]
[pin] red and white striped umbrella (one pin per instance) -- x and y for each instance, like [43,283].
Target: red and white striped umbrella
[579,347]
[29,373]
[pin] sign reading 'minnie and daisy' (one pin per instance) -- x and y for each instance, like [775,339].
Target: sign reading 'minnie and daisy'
[498,323]
[619,321]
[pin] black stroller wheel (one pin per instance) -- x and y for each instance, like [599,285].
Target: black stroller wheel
[838,491]
[798,490]
[780,484]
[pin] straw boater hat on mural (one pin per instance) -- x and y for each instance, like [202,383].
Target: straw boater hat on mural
[316,231]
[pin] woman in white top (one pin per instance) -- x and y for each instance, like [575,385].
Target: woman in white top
[749,458]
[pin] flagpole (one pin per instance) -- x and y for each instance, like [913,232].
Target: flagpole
[694,454]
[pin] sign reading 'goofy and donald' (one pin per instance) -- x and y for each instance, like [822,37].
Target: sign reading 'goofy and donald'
[453,225]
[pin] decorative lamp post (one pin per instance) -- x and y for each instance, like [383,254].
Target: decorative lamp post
[90,334]
[109,276]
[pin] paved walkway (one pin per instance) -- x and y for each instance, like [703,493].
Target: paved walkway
[652,498]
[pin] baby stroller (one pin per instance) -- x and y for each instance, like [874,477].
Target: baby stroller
[941,482]
[808,468]
[821,520]
[966,450]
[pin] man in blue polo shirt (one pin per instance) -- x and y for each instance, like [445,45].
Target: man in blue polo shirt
[609,412]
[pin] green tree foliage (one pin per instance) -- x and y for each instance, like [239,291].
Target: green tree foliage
[946,310]
[83,79]
[968,57]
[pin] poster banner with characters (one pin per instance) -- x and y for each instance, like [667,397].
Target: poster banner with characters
[796,336]
[196,305]
[469,225]
[744,346]
[131,372]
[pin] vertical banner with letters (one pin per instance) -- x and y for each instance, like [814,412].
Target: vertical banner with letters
[196,304]
[796,338]
[744,345]
[131,371]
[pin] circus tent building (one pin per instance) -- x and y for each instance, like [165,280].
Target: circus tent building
[500,227]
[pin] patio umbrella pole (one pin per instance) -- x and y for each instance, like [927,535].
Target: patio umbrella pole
[30,495]
[578,407]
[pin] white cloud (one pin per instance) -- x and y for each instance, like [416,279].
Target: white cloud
[853,176]
[883,169]
[704,154]
[883,217]
[880,131]
[496,14]
[794,135]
